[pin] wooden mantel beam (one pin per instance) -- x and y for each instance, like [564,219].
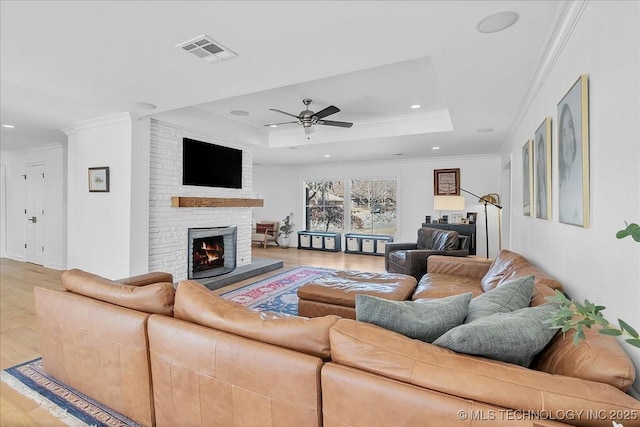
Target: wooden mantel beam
[215,202]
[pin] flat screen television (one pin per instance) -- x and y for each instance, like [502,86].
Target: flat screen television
[210,165]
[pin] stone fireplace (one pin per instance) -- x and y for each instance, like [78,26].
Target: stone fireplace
[212,251]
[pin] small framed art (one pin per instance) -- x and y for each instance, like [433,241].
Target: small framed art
[446,182]
[527,181]
[99,179]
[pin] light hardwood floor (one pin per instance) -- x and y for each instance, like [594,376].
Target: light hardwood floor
[19,329]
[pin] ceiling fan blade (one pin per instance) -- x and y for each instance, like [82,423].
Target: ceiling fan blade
[331,109]
[334,123]
[283,112]
[277,124]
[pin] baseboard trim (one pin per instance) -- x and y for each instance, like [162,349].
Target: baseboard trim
[60,267]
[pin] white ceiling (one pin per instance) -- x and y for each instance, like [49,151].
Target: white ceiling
[63,62]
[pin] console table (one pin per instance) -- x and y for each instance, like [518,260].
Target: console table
[462,229]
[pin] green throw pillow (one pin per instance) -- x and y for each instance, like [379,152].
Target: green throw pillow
[425,320]
[508,297]
[511,337]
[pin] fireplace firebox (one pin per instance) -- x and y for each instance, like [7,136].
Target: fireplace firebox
[212,251]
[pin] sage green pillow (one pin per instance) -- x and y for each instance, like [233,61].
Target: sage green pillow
[511,337]
[505,298]
[425,320]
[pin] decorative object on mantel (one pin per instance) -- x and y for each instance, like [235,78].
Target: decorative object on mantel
[576,316]
[285,229]
[99,179]
[215,202]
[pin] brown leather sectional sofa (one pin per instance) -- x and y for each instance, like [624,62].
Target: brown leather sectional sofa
[215,363]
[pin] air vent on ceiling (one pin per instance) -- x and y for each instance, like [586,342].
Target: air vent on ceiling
[206,48]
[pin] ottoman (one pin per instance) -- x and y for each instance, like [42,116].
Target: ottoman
[335,293]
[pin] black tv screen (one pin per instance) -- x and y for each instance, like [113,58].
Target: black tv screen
[210,165]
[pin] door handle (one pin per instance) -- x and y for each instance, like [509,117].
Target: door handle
[33,219]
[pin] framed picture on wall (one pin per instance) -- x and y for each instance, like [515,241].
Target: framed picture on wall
[573,154]
[99,180]
[527,181]
[446,182]
[542,170]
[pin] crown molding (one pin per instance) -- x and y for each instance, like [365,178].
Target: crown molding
[566,19]
[125,117]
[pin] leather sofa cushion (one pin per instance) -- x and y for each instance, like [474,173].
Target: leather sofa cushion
[469,377]
[598,358]
[398,257]
[154,298]
[510,265]
[438,285]
[197,304]
[147,279]
[434,239]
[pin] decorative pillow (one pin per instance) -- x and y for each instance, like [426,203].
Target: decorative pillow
[505,298]
[197,304]
[154,298]
[425,320]
[510,337]
[262,227]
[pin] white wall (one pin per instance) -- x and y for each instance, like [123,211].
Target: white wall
[14,237]
[282,190]
[591,263]
[100,224]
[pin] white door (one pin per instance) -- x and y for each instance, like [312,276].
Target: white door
[35,214]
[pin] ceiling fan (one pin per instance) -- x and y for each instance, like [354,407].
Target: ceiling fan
[308,118]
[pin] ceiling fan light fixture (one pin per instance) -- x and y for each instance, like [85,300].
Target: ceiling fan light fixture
[416,106]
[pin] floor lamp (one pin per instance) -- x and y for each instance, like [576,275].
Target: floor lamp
[489,199]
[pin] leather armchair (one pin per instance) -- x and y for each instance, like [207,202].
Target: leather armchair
[411,258]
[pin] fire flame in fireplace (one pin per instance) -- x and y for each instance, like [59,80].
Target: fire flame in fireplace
[208,254]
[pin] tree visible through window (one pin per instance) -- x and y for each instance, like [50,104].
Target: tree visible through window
[372,206]
[324,205]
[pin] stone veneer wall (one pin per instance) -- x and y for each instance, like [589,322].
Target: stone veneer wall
[168,225]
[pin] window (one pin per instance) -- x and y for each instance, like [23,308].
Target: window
[324,205]
[373,206]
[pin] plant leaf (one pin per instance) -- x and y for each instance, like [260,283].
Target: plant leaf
[628,329]
[634,342]
[613,332]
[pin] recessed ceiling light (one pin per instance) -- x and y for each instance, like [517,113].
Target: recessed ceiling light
[273,126]
[327,155]
[293,148]
[8,126]
[485,130]
[435,148]
[397,154]
[239,112]
[497,22]
[145,106]
[414,106]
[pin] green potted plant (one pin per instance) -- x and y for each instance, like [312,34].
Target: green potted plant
[576,316]
[285,229]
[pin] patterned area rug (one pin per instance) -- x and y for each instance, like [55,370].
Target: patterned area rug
[70,406]
[277,293]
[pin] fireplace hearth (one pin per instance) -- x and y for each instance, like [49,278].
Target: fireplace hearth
[212,251]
